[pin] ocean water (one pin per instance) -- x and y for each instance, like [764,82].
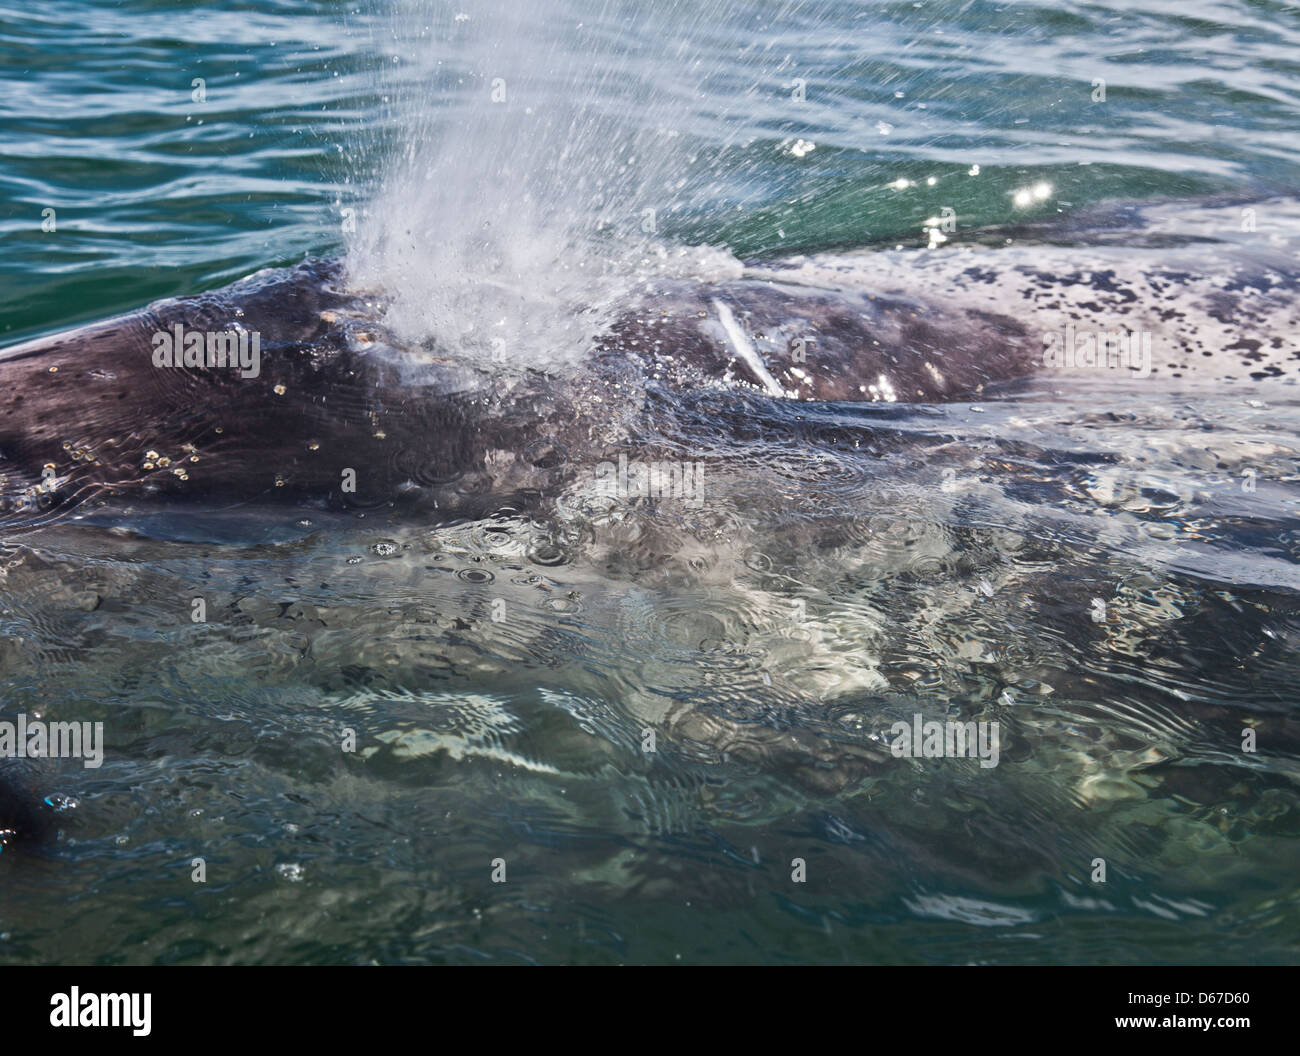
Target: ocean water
[1107,571]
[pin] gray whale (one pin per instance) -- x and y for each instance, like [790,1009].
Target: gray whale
[89,421]
[88,415]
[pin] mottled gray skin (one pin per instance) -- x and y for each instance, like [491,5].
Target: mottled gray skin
[81,412]
[86,416]
[91,403]
[337,391]
[87,421]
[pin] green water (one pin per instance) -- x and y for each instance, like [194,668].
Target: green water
[520,741]
[158,195]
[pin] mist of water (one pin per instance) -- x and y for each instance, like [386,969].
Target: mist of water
[541,154]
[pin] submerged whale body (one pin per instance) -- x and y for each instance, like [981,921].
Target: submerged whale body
[339,411]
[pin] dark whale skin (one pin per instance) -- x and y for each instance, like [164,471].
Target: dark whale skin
[91,404]
[848,341]
[86,416]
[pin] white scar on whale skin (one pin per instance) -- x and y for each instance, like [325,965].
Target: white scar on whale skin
[745,350]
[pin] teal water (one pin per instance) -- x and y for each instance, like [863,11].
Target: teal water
[158,195]
[361,129]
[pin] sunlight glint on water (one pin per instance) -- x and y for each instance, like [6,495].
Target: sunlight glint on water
[515,228]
